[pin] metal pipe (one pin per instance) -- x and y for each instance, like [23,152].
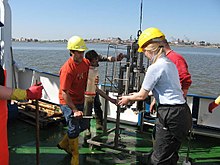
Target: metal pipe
[127,80]
[117,128]
[37,133]
[105,114]
[84,117]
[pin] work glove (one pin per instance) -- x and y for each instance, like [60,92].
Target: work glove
[214,104]
[35,91]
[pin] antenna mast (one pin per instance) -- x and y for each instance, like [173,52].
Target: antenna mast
[141,18]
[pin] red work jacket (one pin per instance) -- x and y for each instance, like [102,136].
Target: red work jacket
[4,154]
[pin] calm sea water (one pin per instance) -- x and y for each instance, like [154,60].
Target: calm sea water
[203,63]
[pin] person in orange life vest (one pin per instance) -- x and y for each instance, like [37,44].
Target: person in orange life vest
[34,92]
[214,104]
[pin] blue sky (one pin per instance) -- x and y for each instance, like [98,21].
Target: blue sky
[60,19]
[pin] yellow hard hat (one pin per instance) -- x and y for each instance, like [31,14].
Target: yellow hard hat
[76,43]
[149,34]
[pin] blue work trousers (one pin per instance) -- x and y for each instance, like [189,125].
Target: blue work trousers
[75,126]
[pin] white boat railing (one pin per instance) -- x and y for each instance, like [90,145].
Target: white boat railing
[27,77]
[198,104]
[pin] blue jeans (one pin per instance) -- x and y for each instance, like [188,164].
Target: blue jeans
[75,126]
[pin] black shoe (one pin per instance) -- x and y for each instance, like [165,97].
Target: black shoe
[86,137]
[85,144]
[58,146]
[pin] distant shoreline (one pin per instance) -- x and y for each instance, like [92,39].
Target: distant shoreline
[196,46]
[124,43]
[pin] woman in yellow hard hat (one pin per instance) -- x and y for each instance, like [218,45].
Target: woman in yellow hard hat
[174,117]
[176,58]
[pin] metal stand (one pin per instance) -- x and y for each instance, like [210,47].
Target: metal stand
[115,145]
[127,81]
[186,161]
[37,134]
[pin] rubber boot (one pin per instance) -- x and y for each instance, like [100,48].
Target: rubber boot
[64,144]
[73,145]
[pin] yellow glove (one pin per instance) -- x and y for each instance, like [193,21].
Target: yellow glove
[19,94]
[34,92]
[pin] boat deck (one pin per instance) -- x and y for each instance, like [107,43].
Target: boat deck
[203,150]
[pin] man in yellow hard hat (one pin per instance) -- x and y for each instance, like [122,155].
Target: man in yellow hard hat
[174,117]
[73,80]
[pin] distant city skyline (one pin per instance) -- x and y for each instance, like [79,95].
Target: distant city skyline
[173,40]
[56,20]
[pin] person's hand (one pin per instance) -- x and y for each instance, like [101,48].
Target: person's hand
[123,100]
[153,107]
[77,114]
[185,91]
[35,91]
[120,57]
[212,106]
[97,80]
